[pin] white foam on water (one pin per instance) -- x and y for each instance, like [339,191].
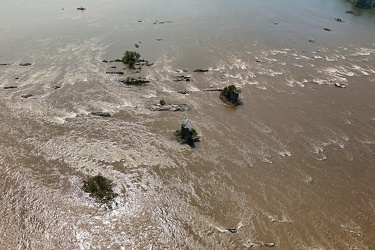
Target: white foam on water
[298,65]
[363,71]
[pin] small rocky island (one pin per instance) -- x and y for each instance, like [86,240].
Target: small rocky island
[100,188]
[131,58]
[230,95]
[186,135]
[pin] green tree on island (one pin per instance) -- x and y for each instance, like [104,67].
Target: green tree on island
[364,4]
[230,95]
[130,58]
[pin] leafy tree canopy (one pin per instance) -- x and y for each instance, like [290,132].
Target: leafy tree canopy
[364,4]
[130,58]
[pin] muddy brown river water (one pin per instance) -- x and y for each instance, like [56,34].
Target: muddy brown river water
[294,165]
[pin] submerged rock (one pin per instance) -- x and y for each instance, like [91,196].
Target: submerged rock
[26,96]
[339,85]
[183,78]
[184,92]
[351,12]
[135,81]
[269,244]
[114,72]
[25,64]
[100,113]
[201,70]
[213,89]
[170,107]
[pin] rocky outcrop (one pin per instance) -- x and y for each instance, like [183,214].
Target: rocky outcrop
[183,78]
[170,107]
[115,72]
[100,113]
[339,85]
[135,81]
[230,95]
[187,136]
[26,96]
[213,89]
[271,244]
[183,92]
[351,12]
[200,70]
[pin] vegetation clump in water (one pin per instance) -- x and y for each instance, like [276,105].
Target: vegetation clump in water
[135,81]
[230,95]
[130,58]
[100,188]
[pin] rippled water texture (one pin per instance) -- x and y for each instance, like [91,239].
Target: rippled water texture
[294,165]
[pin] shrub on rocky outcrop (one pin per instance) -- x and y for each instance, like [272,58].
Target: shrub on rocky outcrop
[130,58]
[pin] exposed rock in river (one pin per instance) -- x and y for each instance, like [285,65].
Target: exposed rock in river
[26,96]
[25,64]
[100,113]
[187,135]
[201,70]
[115,72]
[213,89]
[233,230]
[135,81]
[339,85]
[183,78]
[269,244]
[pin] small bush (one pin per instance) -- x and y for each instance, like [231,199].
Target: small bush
[99,188]
[130,58]
[228,90]
[162,102]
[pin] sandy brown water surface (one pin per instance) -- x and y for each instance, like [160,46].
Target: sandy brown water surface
[294,165]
